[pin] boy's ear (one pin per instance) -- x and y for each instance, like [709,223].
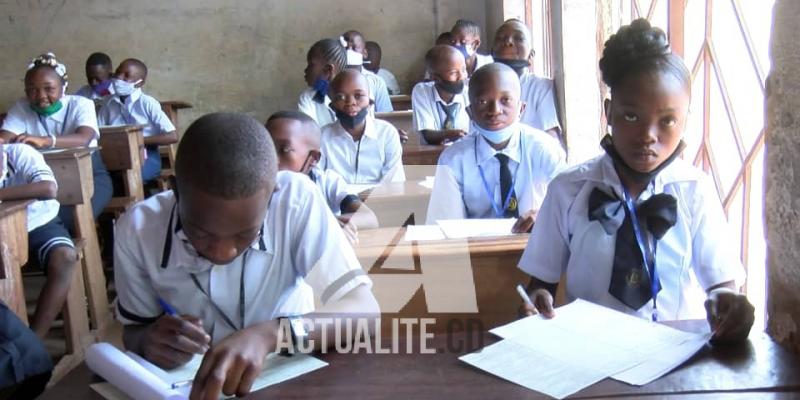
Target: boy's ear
[607,110]
[477,43]
[469,112]
[328,71]
[522,106]
[531,56]
[313,157]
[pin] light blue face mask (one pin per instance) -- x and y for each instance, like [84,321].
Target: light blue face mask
[498,136]
[123,87]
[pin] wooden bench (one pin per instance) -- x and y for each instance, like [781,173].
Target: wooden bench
[402,120]
[400,102]
[121,148]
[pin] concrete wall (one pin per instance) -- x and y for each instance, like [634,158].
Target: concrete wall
[783,176]
[245,55]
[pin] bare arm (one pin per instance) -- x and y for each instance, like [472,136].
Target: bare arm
[42,190]
[439,136]
[161,140]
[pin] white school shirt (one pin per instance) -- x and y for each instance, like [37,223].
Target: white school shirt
[428,112]
[376,158]
[378,91]
[693,255]
[301,246]
[540,99]
[139,109]
[76,112]
[459,191]
[319,112]
[332,186]
[390,80]
[21,164]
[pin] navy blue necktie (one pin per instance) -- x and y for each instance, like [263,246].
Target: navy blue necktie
[510,210]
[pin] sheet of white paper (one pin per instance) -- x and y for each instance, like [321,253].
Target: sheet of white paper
[423,232]
[467,228]
[127,375]
[534,370]
[357,188]
[428,182]
[627,348]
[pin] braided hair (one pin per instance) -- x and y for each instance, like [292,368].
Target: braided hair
[49,60]
[638,48]
[331,51]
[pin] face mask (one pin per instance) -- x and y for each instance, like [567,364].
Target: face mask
[321,88]
[466,51]
[101,88]
[349,122]
[518,66]
[451,87]
[640,177]
[49,110]
[123,87]
[498,136]
[354,58]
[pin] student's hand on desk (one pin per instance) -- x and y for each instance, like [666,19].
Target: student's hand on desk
[233,364]
[525,222]
[454,134]
[403,135]
[172,341]
[38,142]
[730,315]
[543,304]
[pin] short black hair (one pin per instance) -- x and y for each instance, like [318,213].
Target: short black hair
[331,51]
[638,48]
[479,76]
[295,115]
[229,155]
[468,26]
[437,53]
[137,63]
[349,34]
[98,59]
[444,38]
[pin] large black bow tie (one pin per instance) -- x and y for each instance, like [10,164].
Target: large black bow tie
[630,282]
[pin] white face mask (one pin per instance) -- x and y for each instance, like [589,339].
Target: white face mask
[354,58]
[498,136]
[123,87]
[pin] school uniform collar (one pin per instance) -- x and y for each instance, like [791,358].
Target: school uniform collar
[485,151]
[61,115]
[175,233]
[134,97]
[606,174]
[370,131]
[459,98]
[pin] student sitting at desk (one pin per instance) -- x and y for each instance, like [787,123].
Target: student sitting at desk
[325,59]
[47,118]
[297,140]
[356,53]
[98,75]
[374,56]
[639,229]
[466,37]
[512,46]
[24,175]
[130,106]
[440,106]
[360,148]
[229,250]
[502,169]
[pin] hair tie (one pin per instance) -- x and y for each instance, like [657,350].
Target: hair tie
[49,59]
[343,41]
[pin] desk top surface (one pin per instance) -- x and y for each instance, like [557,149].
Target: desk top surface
[759,366]
[372,240]
[74,152]
[10,207]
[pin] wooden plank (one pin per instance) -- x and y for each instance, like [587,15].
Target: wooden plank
[400,102]
[13,254]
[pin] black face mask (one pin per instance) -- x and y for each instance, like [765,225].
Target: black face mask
[451,87]
[517,65]
[639,177]
[349,122]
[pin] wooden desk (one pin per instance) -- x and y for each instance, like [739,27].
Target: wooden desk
[395,202]
[421,154]
[400,102]
[401,120]
[427,279]
[73,171]
[13,254]
[760,369]
[121,149]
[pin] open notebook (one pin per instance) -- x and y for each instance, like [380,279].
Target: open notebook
[129,376]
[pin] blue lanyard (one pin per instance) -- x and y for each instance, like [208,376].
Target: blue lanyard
[649,264]
[498,212]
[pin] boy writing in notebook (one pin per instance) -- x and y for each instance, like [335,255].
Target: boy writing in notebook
[512,47]
[502,169]
[24,175]
[297,141]
[440,106]
[130,106]
[360,148]
[229,249]
[638,229]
